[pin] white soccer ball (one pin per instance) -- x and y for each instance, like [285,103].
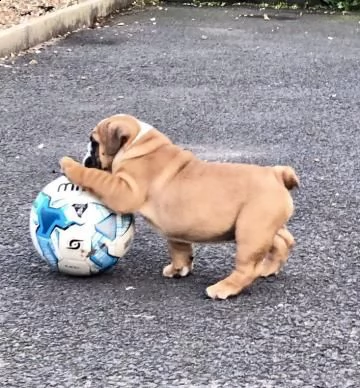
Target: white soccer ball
[75,233]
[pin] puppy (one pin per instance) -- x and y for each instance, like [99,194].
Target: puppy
[132,167]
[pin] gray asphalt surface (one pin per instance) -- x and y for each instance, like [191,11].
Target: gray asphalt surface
[280,91]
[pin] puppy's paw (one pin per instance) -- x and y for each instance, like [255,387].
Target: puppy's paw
[67,164]
[73,170]
[222,290]
[170,271]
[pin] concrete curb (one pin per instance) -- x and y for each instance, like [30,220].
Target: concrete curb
[46,27]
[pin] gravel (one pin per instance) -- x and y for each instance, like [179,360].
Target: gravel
[13,12]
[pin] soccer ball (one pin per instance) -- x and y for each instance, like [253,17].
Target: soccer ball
[75,233]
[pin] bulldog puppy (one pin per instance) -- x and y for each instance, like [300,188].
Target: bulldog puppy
[133,168]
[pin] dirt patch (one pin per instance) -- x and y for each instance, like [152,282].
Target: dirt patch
[14,12]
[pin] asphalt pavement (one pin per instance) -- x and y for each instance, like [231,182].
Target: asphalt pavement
[229,87]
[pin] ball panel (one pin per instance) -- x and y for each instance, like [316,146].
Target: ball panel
[107,227]
[120,246]
[47,252]
[48,217]
[33,225]
[102,258]
[75,267]
[75,242]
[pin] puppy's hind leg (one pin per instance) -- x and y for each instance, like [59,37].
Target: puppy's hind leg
[278,254]
[181,255]
[254,237]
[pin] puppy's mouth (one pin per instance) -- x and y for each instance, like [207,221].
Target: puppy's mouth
[91,159]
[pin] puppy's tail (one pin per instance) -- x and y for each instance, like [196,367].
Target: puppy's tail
[287,175]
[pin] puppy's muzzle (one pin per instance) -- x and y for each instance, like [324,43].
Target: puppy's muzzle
[91,159]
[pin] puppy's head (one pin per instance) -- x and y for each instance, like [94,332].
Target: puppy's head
[108,138]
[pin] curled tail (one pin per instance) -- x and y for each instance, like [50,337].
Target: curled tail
[287,175]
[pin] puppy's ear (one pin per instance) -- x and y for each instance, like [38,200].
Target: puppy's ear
[114,137]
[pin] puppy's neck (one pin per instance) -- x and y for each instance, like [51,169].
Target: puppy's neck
[144,129]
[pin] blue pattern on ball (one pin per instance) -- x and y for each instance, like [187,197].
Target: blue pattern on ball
[48,219]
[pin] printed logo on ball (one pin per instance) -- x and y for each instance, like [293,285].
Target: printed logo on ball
[74,244]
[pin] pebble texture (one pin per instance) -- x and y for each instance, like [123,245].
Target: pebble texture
[284,90]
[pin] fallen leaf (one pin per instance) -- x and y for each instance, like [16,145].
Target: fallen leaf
[33,62]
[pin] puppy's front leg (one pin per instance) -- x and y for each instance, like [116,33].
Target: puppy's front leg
[181,260]
[117,192]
